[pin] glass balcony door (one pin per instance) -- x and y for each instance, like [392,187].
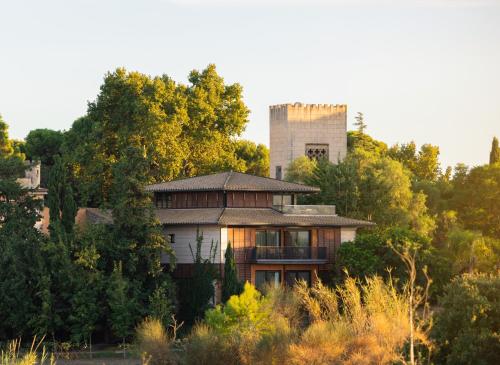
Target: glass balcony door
[298,243]
[268,243]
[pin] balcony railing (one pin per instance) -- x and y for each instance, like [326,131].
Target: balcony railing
[307,209]
[287,253]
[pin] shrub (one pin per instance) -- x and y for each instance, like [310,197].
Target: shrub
[467,326]
[154,342]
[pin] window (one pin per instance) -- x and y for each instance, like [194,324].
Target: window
[171,238]
[267,238]
[267,277]
[163,200]
[298,238]
[279,200]
[317,151]
[291,277]
[278,172]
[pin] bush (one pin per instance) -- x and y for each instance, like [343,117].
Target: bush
[154,342]
[467,326]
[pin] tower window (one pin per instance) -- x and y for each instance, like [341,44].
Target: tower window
[317,151]
[278,173]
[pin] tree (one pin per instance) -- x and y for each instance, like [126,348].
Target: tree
[198,290]
[406,154]
[300,169]
[255,157]
[44,145]
[21,261]
[427,167]
[466,329]
[182,130]
[161,305]
[60,201]
[338,184]
[216,114]
[230,284]
[360,123]
[122,307]
[476,199]
[6,148]
[495,151]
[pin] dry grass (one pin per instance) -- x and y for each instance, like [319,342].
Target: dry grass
[154,343]
[13,355]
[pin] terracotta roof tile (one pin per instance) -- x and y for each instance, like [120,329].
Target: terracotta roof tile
[230,181]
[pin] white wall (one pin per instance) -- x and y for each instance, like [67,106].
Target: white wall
[347,234]
[185,235]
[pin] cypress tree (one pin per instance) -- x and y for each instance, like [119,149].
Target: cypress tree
[60,200]
[495,152]
[230,284]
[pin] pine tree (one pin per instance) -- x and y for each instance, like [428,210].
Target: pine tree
[230,285]
[495,152]
[360,122]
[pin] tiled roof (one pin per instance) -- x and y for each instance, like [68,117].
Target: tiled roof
[268,216]
[189,216]
[230,181]
[236,217]
[252,217]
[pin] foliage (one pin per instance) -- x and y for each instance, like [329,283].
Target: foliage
[495,151]
[6,147]
[255,157]
[357,322]
[123,309]
[230,283]
[300,170]
[161,302]
[466,328]
[477,201]
[180,129]
[44,145]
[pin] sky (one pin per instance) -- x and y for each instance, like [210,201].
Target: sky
[421,70]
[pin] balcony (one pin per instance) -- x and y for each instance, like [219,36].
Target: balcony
[307,209]
[287,254]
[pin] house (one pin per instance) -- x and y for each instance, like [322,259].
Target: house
[274,239]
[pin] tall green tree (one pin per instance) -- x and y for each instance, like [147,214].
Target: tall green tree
[199,290]
[230,283]
[182,129]
[476,199]
[21,261]
[60,200]
[122,307]
[495,151]
[427,167]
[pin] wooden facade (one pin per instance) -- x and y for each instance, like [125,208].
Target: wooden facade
[243,238]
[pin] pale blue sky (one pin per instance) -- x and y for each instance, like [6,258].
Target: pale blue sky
[423,70]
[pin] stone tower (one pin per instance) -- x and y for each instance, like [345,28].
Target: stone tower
[313,130]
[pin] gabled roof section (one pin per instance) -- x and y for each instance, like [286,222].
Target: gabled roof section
[230,181]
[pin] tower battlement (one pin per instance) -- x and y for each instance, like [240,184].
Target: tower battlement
[304,112]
